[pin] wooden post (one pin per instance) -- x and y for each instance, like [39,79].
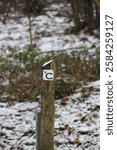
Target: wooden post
[47,107]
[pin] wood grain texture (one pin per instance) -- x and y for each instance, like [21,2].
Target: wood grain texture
[47,112]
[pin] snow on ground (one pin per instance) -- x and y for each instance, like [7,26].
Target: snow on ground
[76,122]
[48,30]
[81,116]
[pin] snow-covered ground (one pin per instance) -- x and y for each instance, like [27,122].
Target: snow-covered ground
[76,122]
[81,116]
[49,32]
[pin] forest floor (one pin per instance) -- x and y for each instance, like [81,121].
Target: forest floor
[77,118]
[76,122]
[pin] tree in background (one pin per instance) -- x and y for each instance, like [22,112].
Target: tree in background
[86,13]
[26,7]
[23,6]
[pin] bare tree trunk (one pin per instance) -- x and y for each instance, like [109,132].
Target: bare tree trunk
[29,20]
[89,12]
[97,18]
[30,30]
[97,2]
[76,8]
[7,11]
[84,13]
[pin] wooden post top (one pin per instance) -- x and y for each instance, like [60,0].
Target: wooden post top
[48,70]
[47,64]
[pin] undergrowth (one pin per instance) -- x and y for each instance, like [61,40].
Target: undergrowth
[20,72]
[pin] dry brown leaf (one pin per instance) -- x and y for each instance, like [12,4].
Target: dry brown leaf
[77,139]
[69,129]
[64,101]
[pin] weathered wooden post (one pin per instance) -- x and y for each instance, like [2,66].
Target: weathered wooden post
[47,106]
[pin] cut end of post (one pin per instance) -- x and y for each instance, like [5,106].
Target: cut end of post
[47,63]
[48,71]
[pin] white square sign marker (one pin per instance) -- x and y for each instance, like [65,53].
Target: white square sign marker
[48,74]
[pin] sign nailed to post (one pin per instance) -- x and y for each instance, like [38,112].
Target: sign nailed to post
[48,75]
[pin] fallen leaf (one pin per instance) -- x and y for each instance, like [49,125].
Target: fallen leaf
[64,101]
[69,129]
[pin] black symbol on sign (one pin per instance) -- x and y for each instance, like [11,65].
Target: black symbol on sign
[49,75]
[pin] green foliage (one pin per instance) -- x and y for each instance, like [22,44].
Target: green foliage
[22,70]
[65,88]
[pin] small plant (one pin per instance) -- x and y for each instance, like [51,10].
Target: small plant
[65,88]
[22,70]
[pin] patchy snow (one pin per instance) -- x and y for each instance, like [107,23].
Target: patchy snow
[80,114]
[77,122]
[48,30]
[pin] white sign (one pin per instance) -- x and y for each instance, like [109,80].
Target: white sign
[48,74]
